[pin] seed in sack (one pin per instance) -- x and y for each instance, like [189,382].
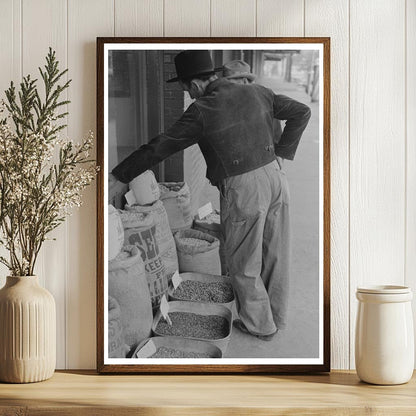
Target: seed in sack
[174,188]
[196,242]
[187,324]
[166,352]
[163,188]
[216,292]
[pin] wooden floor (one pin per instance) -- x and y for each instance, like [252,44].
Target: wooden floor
[86,393]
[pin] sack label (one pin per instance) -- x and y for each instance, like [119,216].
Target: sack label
[164,309]
[204,211]
[146,242]
[176,280]
[130,198]
[147,350]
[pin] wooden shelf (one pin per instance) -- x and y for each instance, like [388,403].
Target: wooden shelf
[86,393]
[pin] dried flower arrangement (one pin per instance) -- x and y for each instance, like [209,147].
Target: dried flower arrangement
[42,176]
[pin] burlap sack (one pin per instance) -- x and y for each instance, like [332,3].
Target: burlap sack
[127,283]
[140,230]
[211,225]
[115,233]
[164,237]
[197,252]
[115,330]
[176,198]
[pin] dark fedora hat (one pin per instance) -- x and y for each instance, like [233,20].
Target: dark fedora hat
[190,64]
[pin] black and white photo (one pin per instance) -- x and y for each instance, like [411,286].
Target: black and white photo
[214,214]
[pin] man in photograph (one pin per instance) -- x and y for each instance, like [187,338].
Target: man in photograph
[239,72]
[233,125]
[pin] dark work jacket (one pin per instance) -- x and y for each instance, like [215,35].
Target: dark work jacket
[233,126]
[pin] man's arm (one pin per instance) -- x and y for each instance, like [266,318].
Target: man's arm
[116,190]
[297,116]
[184,133]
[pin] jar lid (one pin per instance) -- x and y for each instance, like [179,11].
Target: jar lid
[384,289]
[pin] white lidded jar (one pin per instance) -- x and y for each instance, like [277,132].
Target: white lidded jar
[384,338]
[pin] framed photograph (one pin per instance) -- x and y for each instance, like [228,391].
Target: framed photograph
[213,222]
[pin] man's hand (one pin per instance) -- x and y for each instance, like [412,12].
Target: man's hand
[115,187]
[280,161]
[111,180]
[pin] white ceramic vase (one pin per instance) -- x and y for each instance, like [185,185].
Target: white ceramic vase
[27,331]
[384,340]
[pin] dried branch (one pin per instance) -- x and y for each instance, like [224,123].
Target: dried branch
[36,193]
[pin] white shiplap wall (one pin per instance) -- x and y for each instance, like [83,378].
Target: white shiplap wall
[373,132]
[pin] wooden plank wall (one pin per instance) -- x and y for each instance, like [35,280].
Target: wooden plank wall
[373,128]
[410,161]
